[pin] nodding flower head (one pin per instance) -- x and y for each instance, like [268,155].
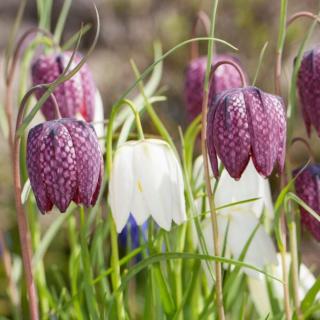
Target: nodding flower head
[307,185]
[244,123]
[309,89]
[225,77]
[64,163]
[74,96]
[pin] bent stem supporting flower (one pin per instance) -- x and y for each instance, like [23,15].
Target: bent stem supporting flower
[214,221]
[25,240]
[278,68]
[232,63]
[204,19]
[9,76]
[115,264]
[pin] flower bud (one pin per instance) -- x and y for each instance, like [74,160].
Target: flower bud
[64,163]
[74,96]
[307,185]
[244,123]
[225,77]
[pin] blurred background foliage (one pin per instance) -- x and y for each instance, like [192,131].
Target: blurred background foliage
[128,30]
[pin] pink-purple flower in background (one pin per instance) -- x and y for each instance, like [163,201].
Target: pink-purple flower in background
[307,186]
[74,96]
[225,77]
[309,89]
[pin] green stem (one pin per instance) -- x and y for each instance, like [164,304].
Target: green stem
[116,276]
[214,221]
[114,112]
[295,264]
[280,45]
[283,249]
[87,270]
[178,270]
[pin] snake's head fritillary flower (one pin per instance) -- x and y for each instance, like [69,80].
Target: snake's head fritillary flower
[225,77]
[146,180]
[64,163]
[308,84]
[74,96]
[238,222]
[307,185]
[246,123]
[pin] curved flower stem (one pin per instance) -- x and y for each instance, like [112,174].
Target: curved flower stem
[300,14]
[136,116]
[116,276]
[307,145]
[114,112]
[204,19]
[214,221]
[10,75]
[232,63]
[294,17]
[24,234]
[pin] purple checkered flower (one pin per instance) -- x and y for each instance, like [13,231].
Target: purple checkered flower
[309,89]
[64,163]
[74,96]
[244,123]
[307,186]
[225,77]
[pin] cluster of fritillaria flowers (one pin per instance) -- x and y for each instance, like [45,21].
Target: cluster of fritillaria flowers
[244,138]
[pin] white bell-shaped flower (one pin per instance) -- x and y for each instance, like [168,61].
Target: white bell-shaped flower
[242,218]
[146,180]
[259,291]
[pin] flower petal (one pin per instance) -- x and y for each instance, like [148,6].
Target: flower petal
[88,158]
[263,143]
[58,164]
[230,131]
[34,171]
[153,181]
[177,188]
[121,186]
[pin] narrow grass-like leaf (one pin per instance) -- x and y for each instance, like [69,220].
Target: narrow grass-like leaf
[300,202]
[311,295]
[261,56]
[74,38]
[25,191]
[62,19]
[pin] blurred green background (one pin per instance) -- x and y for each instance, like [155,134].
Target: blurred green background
[128,30]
